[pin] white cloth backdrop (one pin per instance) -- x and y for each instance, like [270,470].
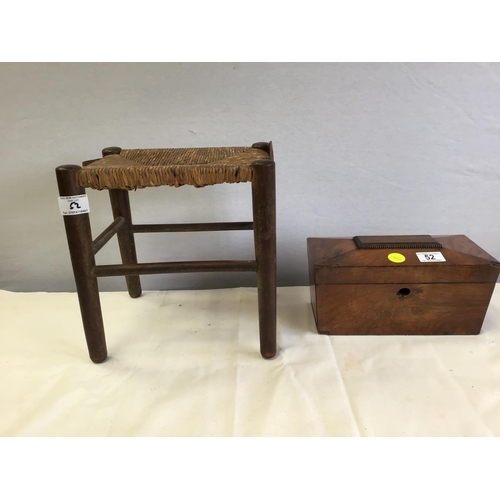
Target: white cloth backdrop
[186,363]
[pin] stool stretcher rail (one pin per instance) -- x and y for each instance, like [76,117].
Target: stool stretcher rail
[182,228]
[175,267]
[107,234]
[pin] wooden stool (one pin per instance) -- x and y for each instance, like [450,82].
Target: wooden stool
[121,170]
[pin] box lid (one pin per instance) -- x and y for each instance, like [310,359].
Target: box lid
[400,259]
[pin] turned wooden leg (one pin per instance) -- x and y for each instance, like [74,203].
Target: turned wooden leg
[79,237]
[120,204]
[264,219]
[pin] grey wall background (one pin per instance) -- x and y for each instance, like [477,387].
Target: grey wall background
[360,149]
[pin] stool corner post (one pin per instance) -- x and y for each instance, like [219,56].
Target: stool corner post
[79,237]
[67,181]
[265,146]
[111,150]
[264,217]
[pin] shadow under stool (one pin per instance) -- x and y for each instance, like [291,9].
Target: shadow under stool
[122,170]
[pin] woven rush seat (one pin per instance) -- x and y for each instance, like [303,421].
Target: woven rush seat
[140,168]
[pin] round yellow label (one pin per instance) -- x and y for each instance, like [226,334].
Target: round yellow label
[396,257]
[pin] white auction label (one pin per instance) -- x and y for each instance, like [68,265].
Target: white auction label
[430,257]
[74,205]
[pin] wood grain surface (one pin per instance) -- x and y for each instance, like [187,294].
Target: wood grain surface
[362,292]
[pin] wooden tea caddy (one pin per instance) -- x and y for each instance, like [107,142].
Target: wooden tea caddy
[389,285]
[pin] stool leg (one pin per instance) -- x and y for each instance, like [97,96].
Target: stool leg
[120,204]
[264,219]
[79,237]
